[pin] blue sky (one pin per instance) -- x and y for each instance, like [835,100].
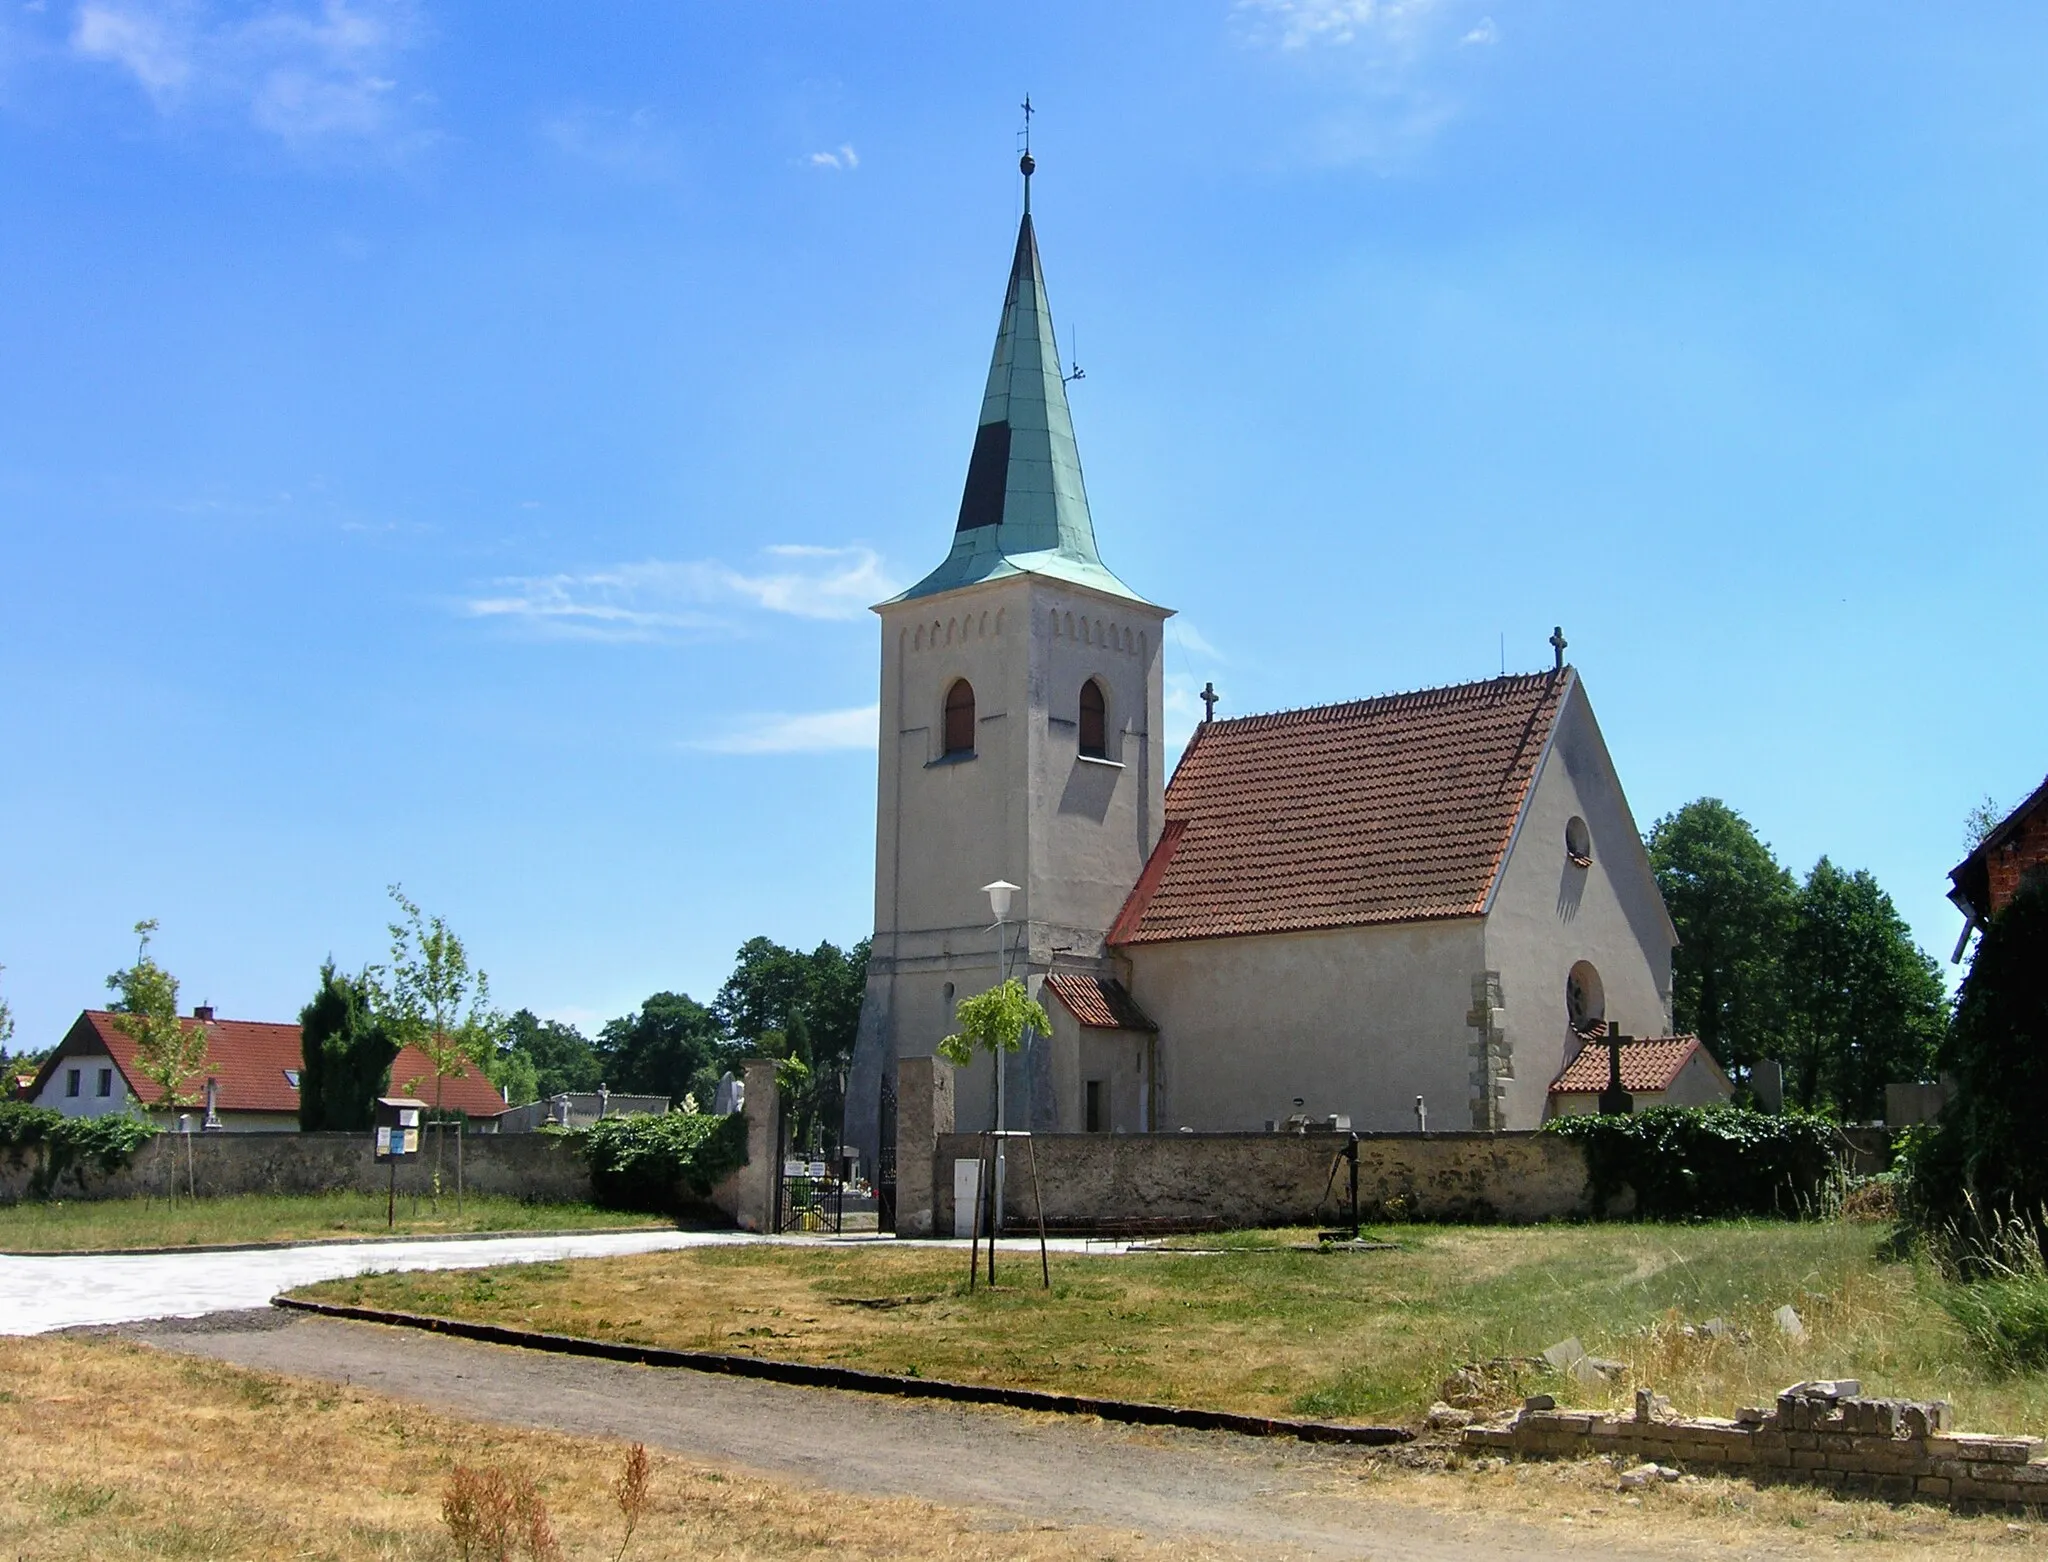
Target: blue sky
[458,444]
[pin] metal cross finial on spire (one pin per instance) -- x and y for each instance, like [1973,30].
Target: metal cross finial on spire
[1027,164]
[1557,645]
[1209,699]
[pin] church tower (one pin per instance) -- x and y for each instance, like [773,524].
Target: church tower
[1021,739]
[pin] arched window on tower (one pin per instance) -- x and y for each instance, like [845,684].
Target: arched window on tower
[1094,721]
[960,718]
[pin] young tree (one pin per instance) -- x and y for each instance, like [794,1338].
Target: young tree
[669,1047]
[168,1051]
[994,1022]
[1732,904]
[6,1025]
[1865,1004]
[439,1005]
[345,1053]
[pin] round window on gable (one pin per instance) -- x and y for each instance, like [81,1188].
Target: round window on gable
[1094,721]
[1585,1000]
[960,718]
[1578,841]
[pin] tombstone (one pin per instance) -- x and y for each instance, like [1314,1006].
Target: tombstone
[1767,1083]
[1614,1100]
[730,1096]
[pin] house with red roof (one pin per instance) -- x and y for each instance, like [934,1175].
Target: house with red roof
[250,1082]
[1655,1071]
[2012,855]
[1419,902]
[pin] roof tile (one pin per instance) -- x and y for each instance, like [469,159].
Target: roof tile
[1647,1063]
[1394,809]
[1099,1002]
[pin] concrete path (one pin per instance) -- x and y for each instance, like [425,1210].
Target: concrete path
[61,1291]
[1246,1496]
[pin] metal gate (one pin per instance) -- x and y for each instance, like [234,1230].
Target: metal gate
[810,1183]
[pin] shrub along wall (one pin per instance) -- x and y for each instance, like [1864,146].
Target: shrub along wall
[1678,1162]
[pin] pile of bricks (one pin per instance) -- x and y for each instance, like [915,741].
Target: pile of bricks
[1823,1432]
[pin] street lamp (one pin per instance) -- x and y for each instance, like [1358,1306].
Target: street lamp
[999,894]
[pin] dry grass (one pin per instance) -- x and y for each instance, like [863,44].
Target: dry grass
[113,1451]
[1265,1329]
[70,1226]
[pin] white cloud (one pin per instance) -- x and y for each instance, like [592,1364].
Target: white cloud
[152,46]
[308,74]
[662,599]
[1193,641]
[1301,24]
[1484,33]
[845,159]
[815,732]
[632,145]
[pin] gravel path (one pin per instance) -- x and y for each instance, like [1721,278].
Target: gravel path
[1257,1497]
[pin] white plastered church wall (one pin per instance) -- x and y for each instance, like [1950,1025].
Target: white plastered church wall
[1548,913]
[1357,1021]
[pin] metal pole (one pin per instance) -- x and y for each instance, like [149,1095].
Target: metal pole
[391,1196]
[995,1225]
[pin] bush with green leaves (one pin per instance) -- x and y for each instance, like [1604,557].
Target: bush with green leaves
[1687,1162]
[661,1163]
[61,1144]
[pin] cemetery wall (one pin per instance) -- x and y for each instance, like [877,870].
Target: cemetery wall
[1265,1179]
[537,1167]
[1820,1433]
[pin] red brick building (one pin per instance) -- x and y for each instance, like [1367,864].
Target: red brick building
[2013,854]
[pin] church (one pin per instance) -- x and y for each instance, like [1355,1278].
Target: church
[1407,911]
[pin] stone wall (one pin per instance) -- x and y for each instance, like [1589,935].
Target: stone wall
[1823,1433]
[538,1167]
[1243,1180]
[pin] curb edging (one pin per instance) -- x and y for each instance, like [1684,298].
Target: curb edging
[285,1242]
[858,1380]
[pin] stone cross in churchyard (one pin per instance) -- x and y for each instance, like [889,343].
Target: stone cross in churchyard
[1615,1101]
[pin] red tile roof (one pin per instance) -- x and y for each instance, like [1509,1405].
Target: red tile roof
[249,1058]
[1099,1002]
[1647,1063]
[1394,809]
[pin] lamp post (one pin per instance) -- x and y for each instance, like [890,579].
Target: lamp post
[999,894]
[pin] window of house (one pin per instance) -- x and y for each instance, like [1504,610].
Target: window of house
[1094,721]
[1578,841]
[960,718]
[1094,1106]
[291,1077]
[106,1082]
[71,1081]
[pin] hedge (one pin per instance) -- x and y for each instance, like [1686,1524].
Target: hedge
[661,1162]
[1688,1161]
[60,1143]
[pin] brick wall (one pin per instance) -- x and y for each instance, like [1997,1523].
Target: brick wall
[1821,1433]
[2023,852]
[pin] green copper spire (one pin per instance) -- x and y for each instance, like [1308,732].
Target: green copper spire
[1025,508]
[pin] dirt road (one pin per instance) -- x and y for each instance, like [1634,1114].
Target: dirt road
[1263,1498]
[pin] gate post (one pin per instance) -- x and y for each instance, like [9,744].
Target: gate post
[748,1195]
[924,1110]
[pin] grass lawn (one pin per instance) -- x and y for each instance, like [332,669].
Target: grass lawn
[1262,1328]
[113,1451]
[73,1226]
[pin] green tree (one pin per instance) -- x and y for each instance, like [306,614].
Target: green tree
[771,986]
[345,1052]
[168,1051]
[993,1022]
[6,1025]
[562,1057]
[1987,1157]
[1733,906]
[670,1046]
[438,1004]
[1865,1003]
